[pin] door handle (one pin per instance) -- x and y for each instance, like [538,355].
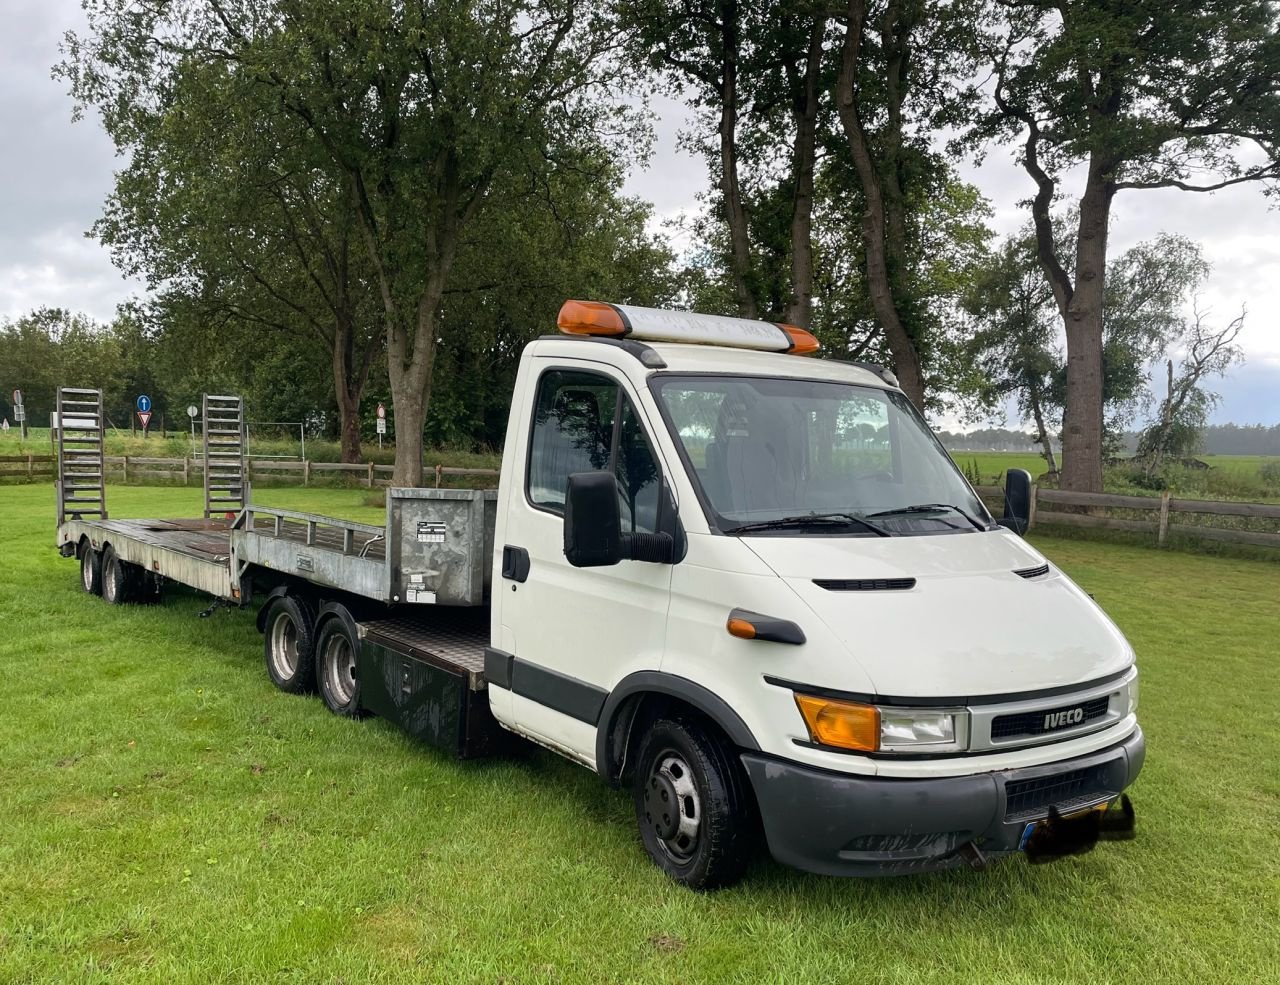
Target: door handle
[515,563]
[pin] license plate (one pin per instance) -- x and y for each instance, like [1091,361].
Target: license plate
[1031,825]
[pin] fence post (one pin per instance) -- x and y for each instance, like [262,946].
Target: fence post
[370,474]
[306,471]
[1164,518]
[185,468]
[439,474]
[125,477]
[30,467]
[1031,511]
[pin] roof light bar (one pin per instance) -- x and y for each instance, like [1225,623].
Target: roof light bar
[660,325]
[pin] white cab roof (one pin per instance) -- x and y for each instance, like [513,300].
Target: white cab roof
[687,358]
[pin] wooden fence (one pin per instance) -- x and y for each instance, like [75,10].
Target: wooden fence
[189,470]
[1161,516]
[27,466]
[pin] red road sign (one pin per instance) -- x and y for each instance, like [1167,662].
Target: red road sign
[17,399]
[382,412]
[145,417]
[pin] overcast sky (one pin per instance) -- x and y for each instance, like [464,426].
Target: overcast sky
[55,174]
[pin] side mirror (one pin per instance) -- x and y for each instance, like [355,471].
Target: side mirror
[593,536]
[592,521]
[1017,501]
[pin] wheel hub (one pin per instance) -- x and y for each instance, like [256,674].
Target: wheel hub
[672,806]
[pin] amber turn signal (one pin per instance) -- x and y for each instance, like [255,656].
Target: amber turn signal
[843,724]
[741,628]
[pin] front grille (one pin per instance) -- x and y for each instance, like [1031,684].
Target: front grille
[1025,799]
[1032,723]
[865,584]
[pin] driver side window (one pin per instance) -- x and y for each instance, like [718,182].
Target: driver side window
[584,423]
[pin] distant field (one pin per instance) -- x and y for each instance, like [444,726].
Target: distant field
[1228,476]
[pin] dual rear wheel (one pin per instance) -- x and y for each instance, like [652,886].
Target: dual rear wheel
[313,650]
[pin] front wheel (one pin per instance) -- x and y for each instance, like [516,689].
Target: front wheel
[335,654]
[693,805]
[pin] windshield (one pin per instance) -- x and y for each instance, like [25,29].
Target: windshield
[777,449]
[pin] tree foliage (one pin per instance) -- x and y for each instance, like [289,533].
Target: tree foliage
[1141,94]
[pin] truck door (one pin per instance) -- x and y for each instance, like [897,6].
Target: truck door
[577,631]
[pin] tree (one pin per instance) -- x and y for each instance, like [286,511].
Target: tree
[1145,94]
[419,109]
[1184,411]
[1014,342]
[244,228]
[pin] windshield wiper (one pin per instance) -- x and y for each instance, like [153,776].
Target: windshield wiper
[930,508]
[811,520]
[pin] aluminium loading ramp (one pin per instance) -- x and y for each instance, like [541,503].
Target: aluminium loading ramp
[81,476]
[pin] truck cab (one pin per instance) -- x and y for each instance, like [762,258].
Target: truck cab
[754,587]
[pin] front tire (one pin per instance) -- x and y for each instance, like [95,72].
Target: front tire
[693,805]
[335,656]
[90,570]
[289,645]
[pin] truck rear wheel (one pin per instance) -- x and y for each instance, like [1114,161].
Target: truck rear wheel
[120,579]
[90,569]
[335,654]
[289,644]
[693,805]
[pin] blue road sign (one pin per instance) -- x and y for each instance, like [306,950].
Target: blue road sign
[144,403]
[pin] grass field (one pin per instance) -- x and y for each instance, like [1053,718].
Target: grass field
[167,816]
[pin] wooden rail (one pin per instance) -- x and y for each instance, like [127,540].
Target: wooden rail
[27,466]
[1155,514]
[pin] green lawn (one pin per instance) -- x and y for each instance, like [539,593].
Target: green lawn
[167,816]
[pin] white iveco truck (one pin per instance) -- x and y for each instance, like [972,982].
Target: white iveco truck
[749,585]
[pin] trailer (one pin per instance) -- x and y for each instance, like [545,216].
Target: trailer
[362,588]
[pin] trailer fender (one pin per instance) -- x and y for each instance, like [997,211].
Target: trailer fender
[274,594]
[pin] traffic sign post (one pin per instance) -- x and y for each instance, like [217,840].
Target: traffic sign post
[193,412]
[19,412]
[144,404]
[382,424]
[145,417]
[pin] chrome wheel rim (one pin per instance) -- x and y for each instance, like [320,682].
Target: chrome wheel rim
[284,646]
[672,807]
[340,662]
[111,579]
[86,570]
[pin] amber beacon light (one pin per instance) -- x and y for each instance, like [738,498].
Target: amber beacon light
[661,325]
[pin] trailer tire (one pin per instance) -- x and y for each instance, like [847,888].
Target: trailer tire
[90,569]
[336,648]
[288,637]
[119,578]
[693,804]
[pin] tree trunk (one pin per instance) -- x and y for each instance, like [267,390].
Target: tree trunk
[1083,417]
[735,212]
[410,364]
[1042,433]
[906,359]
[800,306]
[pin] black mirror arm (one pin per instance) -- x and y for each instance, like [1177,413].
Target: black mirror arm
[655,548]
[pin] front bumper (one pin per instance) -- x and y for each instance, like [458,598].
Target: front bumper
[840,824]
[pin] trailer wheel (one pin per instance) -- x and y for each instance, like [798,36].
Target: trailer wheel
[289,644]
[90,569]
[119,578]
[335,655]
[693,805]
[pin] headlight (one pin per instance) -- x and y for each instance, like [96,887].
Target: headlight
[883,728]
